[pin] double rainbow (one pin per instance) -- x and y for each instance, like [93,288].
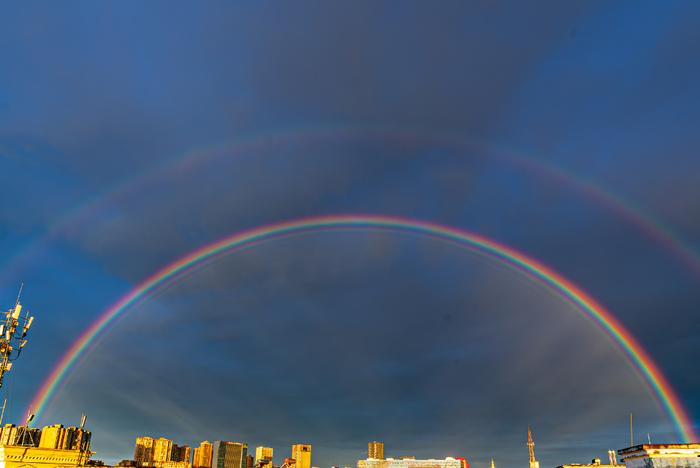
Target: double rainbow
[537,271]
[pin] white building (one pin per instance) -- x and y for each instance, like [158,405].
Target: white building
[448,462]
[661,456]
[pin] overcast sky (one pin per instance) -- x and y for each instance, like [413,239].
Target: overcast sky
[132,133]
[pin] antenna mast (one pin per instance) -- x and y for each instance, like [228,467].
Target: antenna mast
[631,432]
[13,332]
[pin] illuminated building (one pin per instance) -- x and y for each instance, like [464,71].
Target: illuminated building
[448,462]
[26,447]
[143,452]
[375,450]
[160,453]
[595,463]
[249,461]
[661,456]
[180,453]
[302,454]
[51,447]
[202,455]
[162,450]
[263,453]
[229,454]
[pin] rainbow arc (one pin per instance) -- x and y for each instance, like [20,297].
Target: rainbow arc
[537,271]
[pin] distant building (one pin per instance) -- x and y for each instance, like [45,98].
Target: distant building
[595,463]
[301,453]
[661,456]
[229,454]
[249,461]
[162,450]
[180,453]
[448,462]
[263,453]
[143,452]
[375,450]
[161,453]
[202,455]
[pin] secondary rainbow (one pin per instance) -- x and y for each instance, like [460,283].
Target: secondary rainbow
[537,271]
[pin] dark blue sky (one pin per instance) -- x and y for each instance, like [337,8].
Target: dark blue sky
[132,133]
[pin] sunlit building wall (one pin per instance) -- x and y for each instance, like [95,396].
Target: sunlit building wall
[448,462]
[51,436]
[162,450]
[302,454]
[143,453]
[202,455]
[661,456]
[229,454]
[180,453]
[263,453]
[375,450]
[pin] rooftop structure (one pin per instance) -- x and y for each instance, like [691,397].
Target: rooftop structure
[661,456]
[448,462]
[595,463]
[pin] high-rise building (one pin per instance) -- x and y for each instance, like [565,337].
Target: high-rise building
[143,453]
[301,453]
[375,450]
[249,461]
[180,453]
[162,450]
[229,454]
[263,453]
[202,455]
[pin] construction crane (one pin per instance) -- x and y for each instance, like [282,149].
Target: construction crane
[13,335]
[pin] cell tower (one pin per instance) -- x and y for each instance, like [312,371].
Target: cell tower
[13,333]
[531,447]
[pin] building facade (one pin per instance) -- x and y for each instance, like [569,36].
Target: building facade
[375,450]
[229,454]
[49,447]
[162,451]
[263,453]
[661,456]
[181,453]
[143,452]
[202,455]
[301,453]
[595,463]
[448,462]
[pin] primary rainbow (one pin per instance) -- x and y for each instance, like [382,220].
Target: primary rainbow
[544,275]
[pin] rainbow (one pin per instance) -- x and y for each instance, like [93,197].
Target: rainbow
[535,270]
[92,208]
